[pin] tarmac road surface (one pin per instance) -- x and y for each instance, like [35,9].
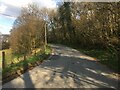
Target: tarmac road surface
[66,68]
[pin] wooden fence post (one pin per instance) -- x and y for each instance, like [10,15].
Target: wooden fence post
[3,59]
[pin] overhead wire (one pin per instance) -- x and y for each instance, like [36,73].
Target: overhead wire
[7,15]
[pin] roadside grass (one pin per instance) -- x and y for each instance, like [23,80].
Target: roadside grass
[8,56]
[23,65]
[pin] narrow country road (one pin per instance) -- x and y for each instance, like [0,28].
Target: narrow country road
[66,68]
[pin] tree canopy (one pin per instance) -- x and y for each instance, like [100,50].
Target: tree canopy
[85,24]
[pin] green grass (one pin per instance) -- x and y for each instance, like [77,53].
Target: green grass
[48,50]
[20,65]
[8,56]
[26,63]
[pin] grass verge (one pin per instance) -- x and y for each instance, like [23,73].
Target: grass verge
[12,71]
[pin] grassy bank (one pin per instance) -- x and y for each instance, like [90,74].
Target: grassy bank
[8,56]
[24,65]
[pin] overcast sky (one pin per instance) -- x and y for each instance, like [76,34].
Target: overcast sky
[13,8]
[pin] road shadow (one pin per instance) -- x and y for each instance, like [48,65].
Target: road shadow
[68,68]
[80,70]
[71,64]
[26,77]
[23,81]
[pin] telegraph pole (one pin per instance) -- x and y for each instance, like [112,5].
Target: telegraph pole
[45,36]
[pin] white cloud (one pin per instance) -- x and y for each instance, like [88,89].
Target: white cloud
[23,3]
[10,9]
[4,29]
[17,3]
[46,3]
[3,8]
[1,27]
